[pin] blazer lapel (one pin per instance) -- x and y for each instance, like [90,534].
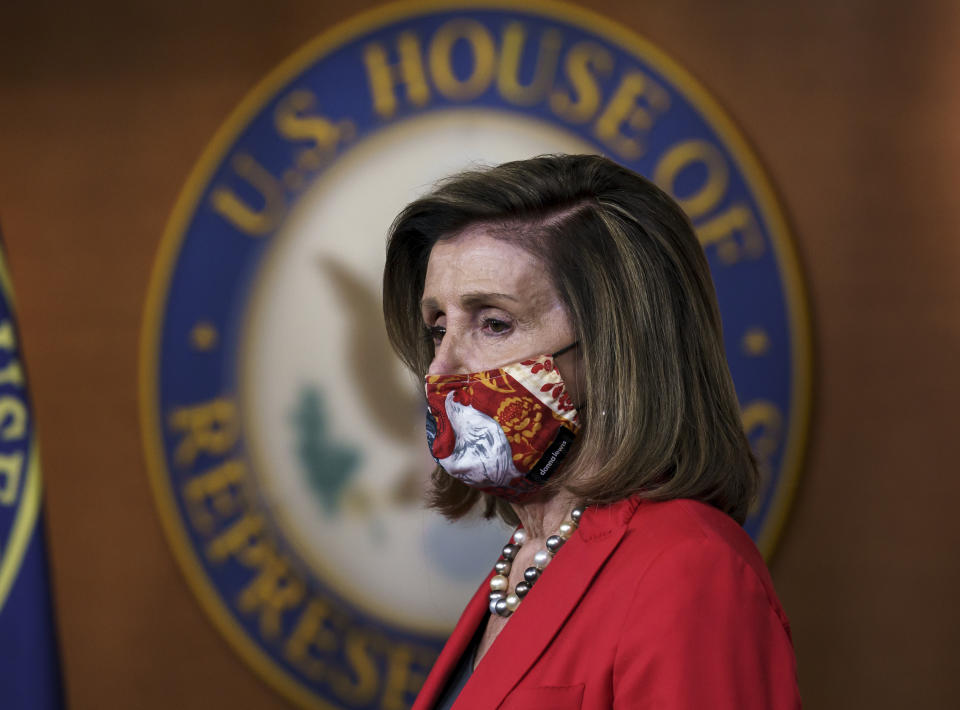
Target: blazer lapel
[453,649]
[544,610]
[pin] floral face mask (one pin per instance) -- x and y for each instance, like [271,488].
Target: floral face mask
[504,431]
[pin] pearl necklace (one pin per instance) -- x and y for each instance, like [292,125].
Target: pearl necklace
[502,601]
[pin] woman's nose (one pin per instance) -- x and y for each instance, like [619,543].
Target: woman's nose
[448,357]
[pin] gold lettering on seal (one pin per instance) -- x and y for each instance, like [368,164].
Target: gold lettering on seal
[734,231]
[383,76]
[210,428]
[441,59]
[245,539]
[311,638]
[7,339]
[359,684]
[625,110]
[508,74]
[13,418]
[249,220]
[583,63]
[721,230]
[215,493]
[684,155]
[12,373]
[407,668]
[321,630]
[293,123]
[11,470]
[276,589]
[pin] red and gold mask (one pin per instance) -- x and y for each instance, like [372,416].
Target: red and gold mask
[504,431]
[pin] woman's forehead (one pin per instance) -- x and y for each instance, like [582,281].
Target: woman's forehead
[474,263]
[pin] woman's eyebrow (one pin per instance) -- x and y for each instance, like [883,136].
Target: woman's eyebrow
[479,298]
[468,300]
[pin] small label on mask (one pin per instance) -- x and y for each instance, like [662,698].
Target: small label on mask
[552,456]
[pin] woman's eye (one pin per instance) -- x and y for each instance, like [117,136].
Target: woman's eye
[497,327]
[435,333]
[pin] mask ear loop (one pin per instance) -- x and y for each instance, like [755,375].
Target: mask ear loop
[561,351]
[568,348]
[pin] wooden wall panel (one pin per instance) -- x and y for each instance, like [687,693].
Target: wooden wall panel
[852,106]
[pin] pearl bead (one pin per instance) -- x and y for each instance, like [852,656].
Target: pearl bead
[554,543]
[501,601]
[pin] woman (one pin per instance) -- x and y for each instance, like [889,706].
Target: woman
[562,313]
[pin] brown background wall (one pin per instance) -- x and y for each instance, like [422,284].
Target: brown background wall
[853,107]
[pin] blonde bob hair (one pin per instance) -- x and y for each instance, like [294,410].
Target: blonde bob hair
[661,418]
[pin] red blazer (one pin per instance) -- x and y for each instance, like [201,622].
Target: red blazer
[664,606]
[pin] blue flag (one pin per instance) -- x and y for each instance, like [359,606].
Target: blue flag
[29,665]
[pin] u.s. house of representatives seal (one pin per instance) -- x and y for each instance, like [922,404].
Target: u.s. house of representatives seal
[284,440]
[21,551]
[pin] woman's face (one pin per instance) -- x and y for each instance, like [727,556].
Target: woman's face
[488,303]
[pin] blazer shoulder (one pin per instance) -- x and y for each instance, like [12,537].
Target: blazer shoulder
[705,595]
[685,524]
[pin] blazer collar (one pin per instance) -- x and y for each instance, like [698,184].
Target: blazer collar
[544,610]
[471,618]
